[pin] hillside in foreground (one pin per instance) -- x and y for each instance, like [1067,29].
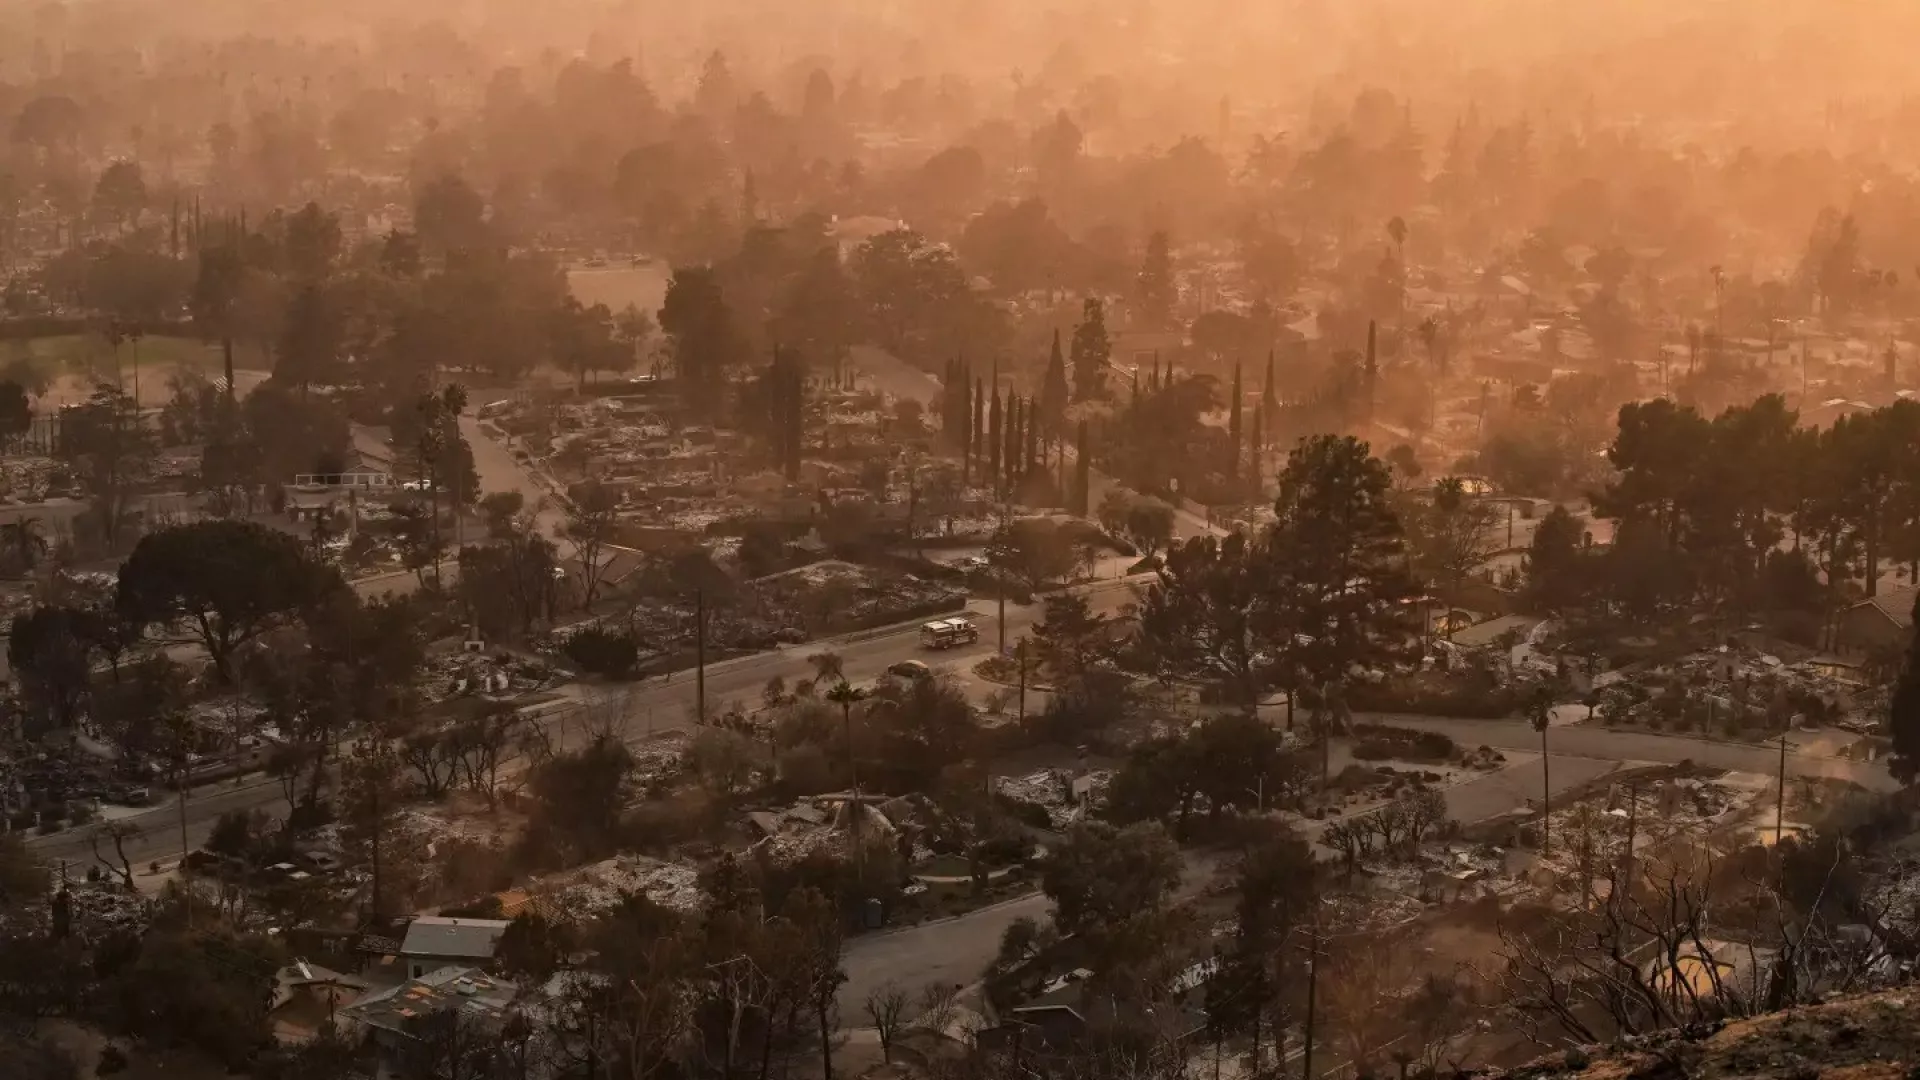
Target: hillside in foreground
[1867,1037]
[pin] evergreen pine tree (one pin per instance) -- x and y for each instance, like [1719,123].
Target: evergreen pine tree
[1156,286]
[1092,348]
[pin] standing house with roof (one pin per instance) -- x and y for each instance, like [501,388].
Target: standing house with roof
[453,1002]
[434,942]
[1880,623]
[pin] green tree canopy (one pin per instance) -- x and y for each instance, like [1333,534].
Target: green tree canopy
[223,582]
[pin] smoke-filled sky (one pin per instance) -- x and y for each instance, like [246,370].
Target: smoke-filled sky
[1713,70]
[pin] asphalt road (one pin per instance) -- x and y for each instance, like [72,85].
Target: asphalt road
[493,463]
[635,713]
[959,950]
[1612,744]
[956,951]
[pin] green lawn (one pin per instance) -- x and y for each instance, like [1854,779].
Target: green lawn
[76,353]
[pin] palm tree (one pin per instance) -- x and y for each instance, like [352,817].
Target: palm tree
[24,542]
[828,667]
[846,695]
[1540,711]
[215,295]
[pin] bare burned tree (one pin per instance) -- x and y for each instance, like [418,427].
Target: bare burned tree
[1650,957]
[1365,973]
[482,744]
[887,1007]
[936,1006]
[430,755]
[1623,961]
[119,832]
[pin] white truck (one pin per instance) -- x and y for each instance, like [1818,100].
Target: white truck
[947,633]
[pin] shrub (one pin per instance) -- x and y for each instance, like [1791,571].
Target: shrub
[600,651]
[233,834]
[804,770]
[1461,696]
[1376,742]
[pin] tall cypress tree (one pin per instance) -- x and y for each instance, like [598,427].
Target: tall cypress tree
[1258,450]
[994,439]
[796,413]
[1033,449]
[1010,453]
[963,417]
[1082,474]
[1233,426]
[950,404]
[1053,390]
[1268,403]
[1373,365]
[975,442]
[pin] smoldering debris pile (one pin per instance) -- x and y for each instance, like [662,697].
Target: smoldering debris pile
[479,673]
[600,887]
[1067,797]
[1443,874]
[1895,893]
[660,761]
[828,597]
[1360,912]
[32,479]
[94,906]
[1732,689]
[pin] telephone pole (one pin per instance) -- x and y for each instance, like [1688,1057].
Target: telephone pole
[1780,798]
[700,656]
[1313,984]
[1021,650]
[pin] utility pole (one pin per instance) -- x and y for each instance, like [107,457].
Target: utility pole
[1546,791]
[1021,651]
[1633,822]
[1780,798]
[180,780]
[1313,984]
[1001,590]
[700,656]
